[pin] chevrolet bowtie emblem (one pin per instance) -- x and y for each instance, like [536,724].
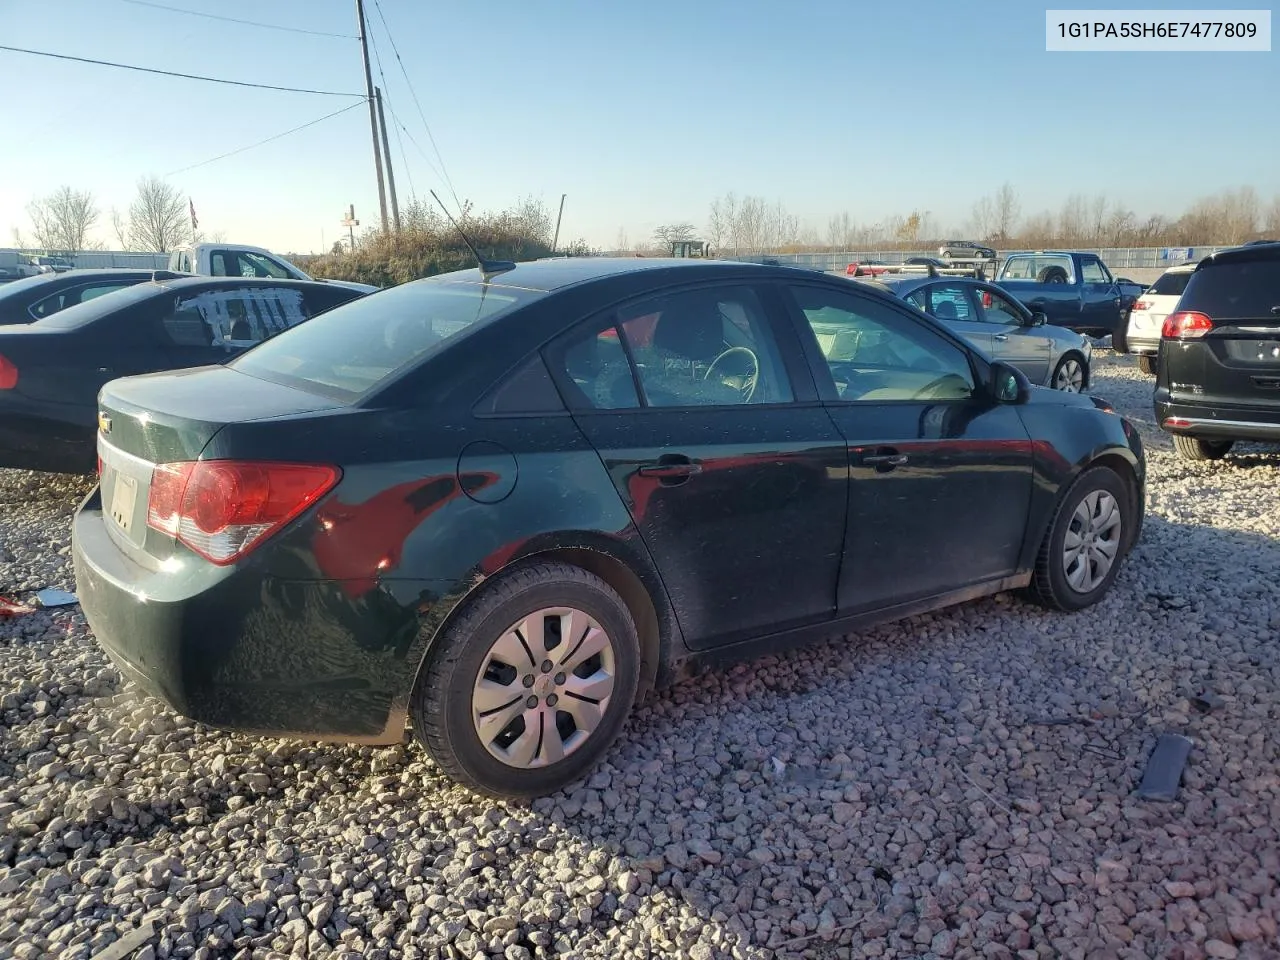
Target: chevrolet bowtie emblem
[104,423]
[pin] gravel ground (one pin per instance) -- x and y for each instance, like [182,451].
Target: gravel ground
[956,785]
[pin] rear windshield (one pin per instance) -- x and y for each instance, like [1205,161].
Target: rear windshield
[348,351]
[1232,291]
[1170,284]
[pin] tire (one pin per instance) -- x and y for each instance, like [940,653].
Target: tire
[1198,448]
[1148,364]
[1071,374]
[1056,583]
[1053,275]
[1120,339]
[443,702]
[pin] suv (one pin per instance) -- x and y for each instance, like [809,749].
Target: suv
[965,250]
[1218,374]
[1146,319]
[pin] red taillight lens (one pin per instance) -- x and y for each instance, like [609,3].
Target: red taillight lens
[8,374]
[851,270]
[1186,325]
[1142,305]
[221,509]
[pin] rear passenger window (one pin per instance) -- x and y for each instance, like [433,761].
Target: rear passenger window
[950,302]
[233,317]
[597,364]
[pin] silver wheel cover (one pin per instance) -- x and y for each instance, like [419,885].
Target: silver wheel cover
[1092,542]
[1070,376]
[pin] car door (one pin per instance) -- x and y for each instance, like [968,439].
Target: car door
[702,410]
[952,305]
[1013,338]
[213,324]
[1099,295]
[941,475]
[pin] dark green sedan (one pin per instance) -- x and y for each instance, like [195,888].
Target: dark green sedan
[501,507]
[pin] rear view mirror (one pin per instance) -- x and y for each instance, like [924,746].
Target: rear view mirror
[1008,384]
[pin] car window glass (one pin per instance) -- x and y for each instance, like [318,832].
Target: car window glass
[994,308]
[876,353]
[256,265]
[233,317]
[1091,271]
[918,298]
[222,263]
[596,363]
[1045,269]
[1235,290]
[705,347]
[950,301]
[1170,284]
[66,298]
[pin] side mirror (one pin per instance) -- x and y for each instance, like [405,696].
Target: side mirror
[1008,384]
[1039,318]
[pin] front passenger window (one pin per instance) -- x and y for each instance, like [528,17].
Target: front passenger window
[877,354]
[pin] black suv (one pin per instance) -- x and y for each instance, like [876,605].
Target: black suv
[1218,379]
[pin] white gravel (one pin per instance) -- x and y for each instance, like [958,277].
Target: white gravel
[957,785]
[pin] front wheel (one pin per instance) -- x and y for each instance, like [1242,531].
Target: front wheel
[1070,375]
[524,692]
[1081,553]
[1197,448]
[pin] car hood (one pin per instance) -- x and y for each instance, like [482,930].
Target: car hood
[1048,397]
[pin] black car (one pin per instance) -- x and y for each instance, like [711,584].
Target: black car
[51,369]
[505,505]
[33,298]
[1218,369]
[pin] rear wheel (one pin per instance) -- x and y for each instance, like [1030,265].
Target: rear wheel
[1070,375]
[1082,550]
[1197,448]
[1147,363]
[526,689]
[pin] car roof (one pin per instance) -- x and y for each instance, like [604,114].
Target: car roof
[1250,253]
[546,276]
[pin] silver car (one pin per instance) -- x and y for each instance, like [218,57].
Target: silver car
[1002,328]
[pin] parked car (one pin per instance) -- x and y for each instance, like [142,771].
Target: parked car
[925,262]
[1146,320]
[1002,328]
[51,369]
[867,268]
[1218,372]
[965,250]
[43,295]
[1073,290]
[505,504]
[242,260]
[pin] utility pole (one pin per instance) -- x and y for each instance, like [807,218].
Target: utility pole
[373,113]
[556,240]
[386,155]
[350,222]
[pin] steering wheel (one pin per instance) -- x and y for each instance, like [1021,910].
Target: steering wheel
[932,389]
[744,382]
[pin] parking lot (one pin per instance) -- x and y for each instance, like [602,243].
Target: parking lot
[955,785]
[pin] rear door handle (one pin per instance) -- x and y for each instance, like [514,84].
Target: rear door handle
[885,459]
[1000,337]
[671,469]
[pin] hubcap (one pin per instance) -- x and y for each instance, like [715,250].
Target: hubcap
[1092,543]
[543,687]
[1070,377]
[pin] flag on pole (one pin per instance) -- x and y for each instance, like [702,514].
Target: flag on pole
[195,224]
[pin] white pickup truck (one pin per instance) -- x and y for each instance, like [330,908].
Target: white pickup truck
[241,260]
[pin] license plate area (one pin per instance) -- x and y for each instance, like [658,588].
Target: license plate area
[126,486]
[124,501]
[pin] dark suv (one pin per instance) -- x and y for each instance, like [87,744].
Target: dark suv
[1219,365]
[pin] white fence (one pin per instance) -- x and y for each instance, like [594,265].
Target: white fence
[98,258]
[1116,258]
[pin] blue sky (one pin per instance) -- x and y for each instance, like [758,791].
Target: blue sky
[641,113]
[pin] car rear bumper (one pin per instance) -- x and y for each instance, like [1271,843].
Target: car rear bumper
[1219,422]
[239,650]
[1143,345]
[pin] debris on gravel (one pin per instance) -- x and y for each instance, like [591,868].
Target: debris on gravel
[957,785]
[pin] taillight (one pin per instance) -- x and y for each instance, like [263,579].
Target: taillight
[222,509]
[1186,325]
[1142,305]
[8,373]
[851,270]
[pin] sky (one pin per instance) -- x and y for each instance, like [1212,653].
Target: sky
[640,113]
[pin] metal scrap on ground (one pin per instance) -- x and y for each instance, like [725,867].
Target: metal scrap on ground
[1164,769]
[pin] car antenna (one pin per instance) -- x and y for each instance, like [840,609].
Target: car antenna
[488,268]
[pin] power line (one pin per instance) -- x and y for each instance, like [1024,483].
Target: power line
[404,157]
[249,23]
[413,93]
[232,153]
[417,146]
[185,76]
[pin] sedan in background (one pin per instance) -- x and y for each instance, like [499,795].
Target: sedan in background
[1002,327]
[507,502]
[51,369]
[33,298]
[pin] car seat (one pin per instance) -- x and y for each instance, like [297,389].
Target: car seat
[945,310]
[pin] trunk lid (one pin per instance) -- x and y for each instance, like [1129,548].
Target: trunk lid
[168,417]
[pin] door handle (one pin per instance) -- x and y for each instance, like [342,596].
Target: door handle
[1000,337]
[671,469]
[885,459]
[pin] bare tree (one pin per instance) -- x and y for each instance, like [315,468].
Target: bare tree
[1271,220]
[62,220]
[1006,209]
[724,211]
[984,218]
[120,227]
[670,233]
[158,217]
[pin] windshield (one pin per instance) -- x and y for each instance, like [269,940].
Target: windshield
[1171,284]
[83,314]
[348,351]
[1235,291]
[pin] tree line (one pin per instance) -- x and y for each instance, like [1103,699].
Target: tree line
[752,224]
[157,221]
